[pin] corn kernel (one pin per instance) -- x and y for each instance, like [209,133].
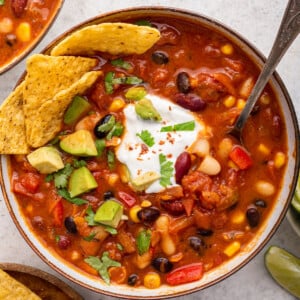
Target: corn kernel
[6,25]
[265,99]
[238,217]
[133,213]
[279,160]
[232,165]
[152,280]
[29,208]
[229,101]
[232,249]
[117,104]
[23,32]
[227,49]
[176,257]
[240,103]
[262,148]
[75,255]
[146,203]
[112,179]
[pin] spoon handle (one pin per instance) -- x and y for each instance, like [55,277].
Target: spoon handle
[288,31]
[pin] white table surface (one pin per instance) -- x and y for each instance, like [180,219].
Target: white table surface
[258,21]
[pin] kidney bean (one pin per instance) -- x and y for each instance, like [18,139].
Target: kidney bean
[64,242]
[190,101]
[18,7]
[174,207]
[253,216]
[183,82]
[182,166]
[38,222]
[276,126]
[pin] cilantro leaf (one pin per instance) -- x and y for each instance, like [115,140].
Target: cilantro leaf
[120,247]
[100,146]
[111,159]
[79,163]
[90,237]
[108,82]
[61,177]
[143,23]
[102,265]
[166,170]
[66,195]
[90,216]
[143,241]
[186,126]
[111,230]
[117,130]
[119,62]
[146,137]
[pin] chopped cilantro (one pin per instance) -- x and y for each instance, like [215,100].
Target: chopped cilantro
[108,82]
[143,241]
[90,217]
[166,170]
[117,130]
[57,238]
[111,159]
[146,137]
[186,126]
[66,195]
[102,265]
[143,23]
[61,177]
[100,146]
[119,62]
[108,125]
[79,163]
[90,237]
[120,247]
[111,230]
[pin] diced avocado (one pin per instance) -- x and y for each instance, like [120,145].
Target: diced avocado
[109,213]
[81,181]
[136,93]
[141,182]
[79,143]
[145,109]
[78,107]
[46,160]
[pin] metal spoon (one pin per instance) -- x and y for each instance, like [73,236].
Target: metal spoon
[288,31]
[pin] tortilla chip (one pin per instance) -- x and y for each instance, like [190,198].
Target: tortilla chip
[12,124]
[13,289]
[113,38]
[48,117]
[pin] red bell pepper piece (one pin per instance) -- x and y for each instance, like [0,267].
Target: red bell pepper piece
[127,198]
[241,157]
[58,214]
[185,274]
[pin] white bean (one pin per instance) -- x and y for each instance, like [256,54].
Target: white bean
[201,147]
[265,188]
[224,148]
[210,166]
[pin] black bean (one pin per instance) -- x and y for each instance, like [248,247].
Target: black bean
[132,279]
[183,82]
[160,58]
[70,225]
[190,101]
[253,216]
[162,264]
[196,243]
[148,214]
[108,195]
[260,203]
[103,126]
[204,232]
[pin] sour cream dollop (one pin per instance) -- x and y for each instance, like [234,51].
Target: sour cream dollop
[140,158]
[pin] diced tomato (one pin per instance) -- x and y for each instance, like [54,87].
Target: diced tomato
[58,213]
[185,274]
[241,157]
[126,198]
[188,204]
[31,182]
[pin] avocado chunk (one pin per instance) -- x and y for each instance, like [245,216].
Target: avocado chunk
[143,181]
[109,213]
[46,160]
[78,107]
[81,181]
[145,109]
[136,93]
[80,143]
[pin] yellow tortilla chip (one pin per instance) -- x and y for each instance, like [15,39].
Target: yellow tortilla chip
[49,116]
[13,289]
[113,38]
[47,76]
[12,124]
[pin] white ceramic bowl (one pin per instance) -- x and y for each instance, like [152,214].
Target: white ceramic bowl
[266,230]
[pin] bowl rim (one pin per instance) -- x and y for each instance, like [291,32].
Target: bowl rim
[259,59]
[35,42]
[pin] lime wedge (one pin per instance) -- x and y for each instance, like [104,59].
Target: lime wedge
[296,199]
[284,267]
